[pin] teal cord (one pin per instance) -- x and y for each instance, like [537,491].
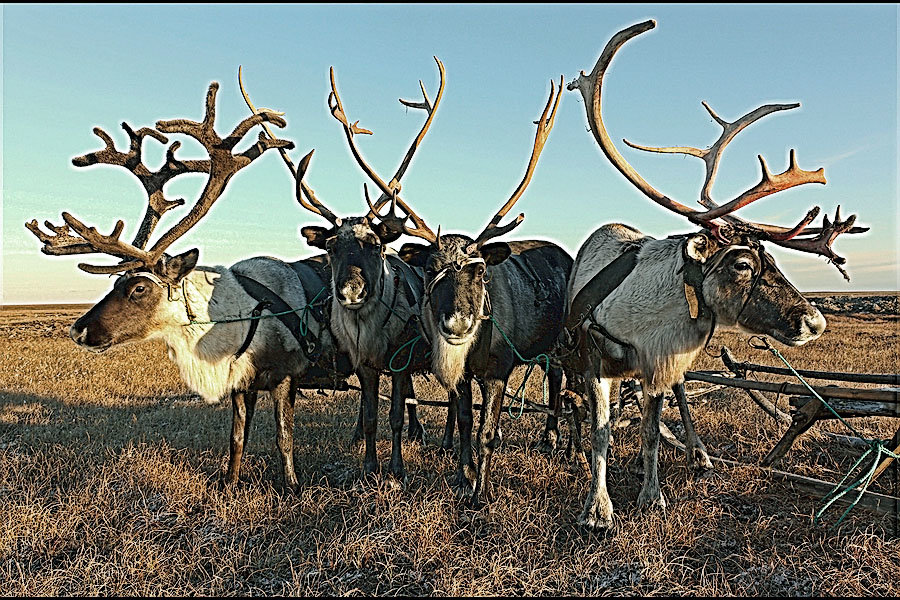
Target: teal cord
[875,446]
[532,362]
[304,321]
[408,360]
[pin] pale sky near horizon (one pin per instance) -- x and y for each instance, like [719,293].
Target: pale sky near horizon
[70,68]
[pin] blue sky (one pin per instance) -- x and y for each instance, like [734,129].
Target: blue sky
[67,69]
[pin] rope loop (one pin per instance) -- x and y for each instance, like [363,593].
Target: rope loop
[876,447]
[304,322]
[531,362]
[408,360]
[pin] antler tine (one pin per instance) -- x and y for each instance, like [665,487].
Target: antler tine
[391,191]
[544,126]
[590,87]
[821,242]
[311,203]
[109,244]
[431,109]
[153,182]
[223,164]
[337,111]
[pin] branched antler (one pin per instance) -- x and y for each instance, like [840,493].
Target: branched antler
[390,191]
[221,166]
[153,182]
[590,87]
[544,126]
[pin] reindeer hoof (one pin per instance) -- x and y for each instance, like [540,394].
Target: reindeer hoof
[355,441]
[650,501]
[463,488]
[698,461]
[445,449]
[371,469]
[416,434]
[549,442]
[594,522]
[396,482]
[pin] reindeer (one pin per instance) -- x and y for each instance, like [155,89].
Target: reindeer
[484,310]
[375,295]
[642,307]
[212,319]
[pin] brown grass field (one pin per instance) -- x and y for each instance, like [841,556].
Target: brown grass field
[110,485]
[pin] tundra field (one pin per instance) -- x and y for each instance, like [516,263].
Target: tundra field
[110,474]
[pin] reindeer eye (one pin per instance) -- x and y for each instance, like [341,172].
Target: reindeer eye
[138,290]
[742,266]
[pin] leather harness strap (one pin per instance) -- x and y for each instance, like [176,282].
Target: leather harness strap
[254,323]
[283,312]
[599,287]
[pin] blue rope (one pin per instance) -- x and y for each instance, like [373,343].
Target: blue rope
[408,360]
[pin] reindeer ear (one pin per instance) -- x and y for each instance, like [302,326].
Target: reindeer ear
[175,268]
[700,246]
[414,254]
[315,236]
[386,234]
[495,253]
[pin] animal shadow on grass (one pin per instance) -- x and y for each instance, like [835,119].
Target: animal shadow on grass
[32,423]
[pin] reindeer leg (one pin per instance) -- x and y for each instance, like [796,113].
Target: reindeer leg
[697,458]
[551,430]
[398,395]
[488,438]
[368,381]
[239,425]
[447,440]
[283,398]
[415,431]
[650,494]
[465,476]
[598,508]
[357,437]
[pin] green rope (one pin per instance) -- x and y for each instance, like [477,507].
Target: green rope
[532,362]
[408,360]
[304,319]
[875,446]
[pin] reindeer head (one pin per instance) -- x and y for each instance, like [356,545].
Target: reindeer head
[457,268]
[736,277]
[356,246]
[146,297]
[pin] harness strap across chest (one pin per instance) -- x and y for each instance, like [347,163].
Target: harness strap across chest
[601,285]
[283,312]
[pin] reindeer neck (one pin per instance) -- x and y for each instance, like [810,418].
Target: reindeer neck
[367,333]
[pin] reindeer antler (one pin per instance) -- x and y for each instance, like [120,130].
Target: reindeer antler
[590,87]
[544,126]
[221,166]
[389,192]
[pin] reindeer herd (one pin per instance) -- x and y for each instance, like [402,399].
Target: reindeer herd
[463,308]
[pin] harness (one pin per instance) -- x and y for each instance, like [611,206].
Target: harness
[604,282]
[268,299]
[410,281]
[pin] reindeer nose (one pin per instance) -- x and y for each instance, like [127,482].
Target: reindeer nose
[457,325]
[352,292]
[815,323]
[78,334]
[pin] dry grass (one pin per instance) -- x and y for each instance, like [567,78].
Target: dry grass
[109,483]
